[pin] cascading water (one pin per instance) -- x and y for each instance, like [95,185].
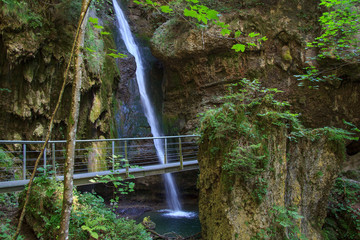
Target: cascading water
[124,28]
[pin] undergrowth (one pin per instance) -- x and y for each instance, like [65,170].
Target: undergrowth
[8,203]
[284,222]
[90,217]
[248,121]
[343,219]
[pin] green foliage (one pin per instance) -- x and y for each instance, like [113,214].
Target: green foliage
[90,215]
[340,27]
[241,129]
[201,16]
[244,122]
[94,44]
[5,90]
[343,219]
[7,230]
[11,167]
[8,201]
[119,185]
[22,12]
[284,222]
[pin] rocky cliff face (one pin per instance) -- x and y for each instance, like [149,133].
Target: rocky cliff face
[198,64]
[35,43]
[299,179]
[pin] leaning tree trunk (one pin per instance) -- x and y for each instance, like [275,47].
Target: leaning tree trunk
[22,215]
[72,127]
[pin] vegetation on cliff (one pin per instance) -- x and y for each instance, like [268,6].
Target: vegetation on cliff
[245,141]
[251,117]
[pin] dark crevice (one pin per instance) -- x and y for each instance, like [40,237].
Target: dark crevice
[353,148]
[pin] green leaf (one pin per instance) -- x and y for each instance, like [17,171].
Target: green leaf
[212,15]
[50,192]
[86,228]
[100,227]
[264,38]
[116,55]
[104,33]
[94,234]
[93,20]
[253,34]
[190,13]
[166,9]
[225,31]
[237,34]
[98,27]
[238,47]
[90,50]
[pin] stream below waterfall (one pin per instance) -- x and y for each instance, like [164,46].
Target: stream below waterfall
[166,222]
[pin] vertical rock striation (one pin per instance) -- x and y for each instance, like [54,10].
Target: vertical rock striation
[35,43]
[299,175]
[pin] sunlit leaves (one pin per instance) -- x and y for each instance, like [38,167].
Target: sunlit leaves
[339,40]
[98,27]
[253,34]
[225,31]
[238,47]
[202,17]
[166,9]
[93,20]
[116,55]
[90,50]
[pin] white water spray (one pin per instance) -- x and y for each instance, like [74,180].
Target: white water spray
[170,187]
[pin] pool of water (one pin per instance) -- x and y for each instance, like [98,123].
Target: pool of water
[185,223]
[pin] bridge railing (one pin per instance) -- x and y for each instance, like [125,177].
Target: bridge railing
[17,158]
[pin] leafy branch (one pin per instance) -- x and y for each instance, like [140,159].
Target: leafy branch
[339,41]
[201,16]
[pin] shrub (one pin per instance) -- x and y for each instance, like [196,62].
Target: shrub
[90,215]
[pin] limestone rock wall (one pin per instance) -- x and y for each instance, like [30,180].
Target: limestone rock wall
[199,63]
[300,175]
[33,59]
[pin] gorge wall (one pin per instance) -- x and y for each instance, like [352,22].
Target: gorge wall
[199,63]
[198,66]
[35,44]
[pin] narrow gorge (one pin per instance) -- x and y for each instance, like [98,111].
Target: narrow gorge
[270,87]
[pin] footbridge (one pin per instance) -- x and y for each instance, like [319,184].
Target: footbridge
[124,157]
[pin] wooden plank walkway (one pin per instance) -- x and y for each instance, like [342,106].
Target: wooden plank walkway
[84,178]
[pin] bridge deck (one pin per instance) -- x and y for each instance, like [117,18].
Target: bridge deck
[84,178]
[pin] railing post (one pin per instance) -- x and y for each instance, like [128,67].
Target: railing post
[165,152]
[126,161]
[24,161]
[113,154]
[44,160]
[181,156]
[53,159]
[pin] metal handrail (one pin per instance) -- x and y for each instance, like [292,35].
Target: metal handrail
[94,140]
[173,151]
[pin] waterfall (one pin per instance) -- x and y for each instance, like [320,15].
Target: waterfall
[124,28]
